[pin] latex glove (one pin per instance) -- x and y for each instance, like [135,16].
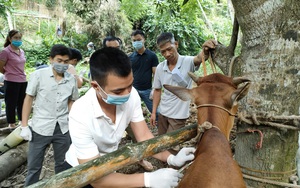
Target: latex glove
[26,133]
[165,177]
[184,155]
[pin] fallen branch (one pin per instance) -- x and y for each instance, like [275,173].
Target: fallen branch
[86,173]
[5,131]
[12,159]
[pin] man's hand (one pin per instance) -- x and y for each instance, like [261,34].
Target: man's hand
[26,133]
[165,177]
[207,46]
[184,155]
[153,120]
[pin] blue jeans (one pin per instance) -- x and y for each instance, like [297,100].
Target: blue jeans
[145,94]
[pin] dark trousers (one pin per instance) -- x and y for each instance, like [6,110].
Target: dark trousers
[14,94]
[37,148]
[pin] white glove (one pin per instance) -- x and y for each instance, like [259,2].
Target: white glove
[184,155]
[165,177]
[26,133]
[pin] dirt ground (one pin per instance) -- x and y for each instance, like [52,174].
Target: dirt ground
[17,178]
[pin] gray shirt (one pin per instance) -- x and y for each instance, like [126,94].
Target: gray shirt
[170,105]
[51,100]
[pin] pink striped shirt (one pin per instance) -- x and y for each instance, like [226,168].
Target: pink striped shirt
[14,65]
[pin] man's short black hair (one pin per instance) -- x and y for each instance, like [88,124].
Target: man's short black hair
[164,38]
[60,49]
[75,54]
[107,61]
[138,32]
[111,38]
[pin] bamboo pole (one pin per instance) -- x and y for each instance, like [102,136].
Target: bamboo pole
[86,173]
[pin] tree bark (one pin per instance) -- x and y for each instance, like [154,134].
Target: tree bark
[270,57]
[12,159]
[86,173]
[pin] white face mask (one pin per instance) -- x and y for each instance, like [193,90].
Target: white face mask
[114,99]
[60,68]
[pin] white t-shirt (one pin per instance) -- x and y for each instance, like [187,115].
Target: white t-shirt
[92,132]
[170,105]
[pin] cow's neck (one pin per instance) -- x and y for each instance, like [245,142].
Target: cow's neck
[217,118]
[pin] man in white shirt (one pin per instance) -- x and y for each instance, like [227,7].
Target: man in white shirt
[98,120]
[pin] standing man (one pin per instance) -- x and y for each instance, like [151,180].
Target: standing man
[74,59]
[99,118]
[54,90]
[144,63]
[173,71]
[91,48]
[116,42]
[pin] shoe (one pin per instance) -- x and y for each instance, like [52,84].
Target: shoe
[146,165]
[12,126]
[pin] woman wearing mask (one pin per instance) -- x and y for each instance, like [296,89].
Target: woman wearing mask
[12,64]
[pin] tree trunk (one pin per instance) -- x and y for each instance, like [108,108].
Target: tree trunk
[86,173]
[12,159]
[270,57]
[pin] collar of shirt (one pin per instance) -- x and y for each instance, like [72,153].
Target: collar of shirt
[145,52]
[98,112]
[12,50]
[178,64]
[67,76]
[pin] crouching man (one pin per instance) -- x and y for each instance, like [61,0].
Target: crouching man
[98,120]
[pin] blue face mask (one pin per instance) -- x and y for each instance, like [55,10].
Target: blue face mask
[59,67]
[137,44]
[114,99]
[16,43]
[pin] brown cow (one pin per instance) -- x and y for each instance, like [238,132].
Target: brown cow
[216,98]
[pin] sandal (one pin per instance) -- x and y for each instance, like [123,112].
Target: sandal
[12,126]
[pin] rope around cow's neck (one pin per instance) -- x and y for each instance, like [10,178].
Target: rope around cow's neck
[201,129]
[217,106]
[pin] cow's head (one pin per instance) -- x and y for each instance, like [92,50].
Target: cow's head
[215,89]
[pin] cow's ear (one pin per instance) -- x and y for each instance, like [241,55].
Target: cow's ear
[240,93]
[181,92]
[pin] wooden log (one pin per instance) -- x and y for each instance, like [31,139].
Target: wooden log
[86,173]
[5,131]
[3,122]
[12,159]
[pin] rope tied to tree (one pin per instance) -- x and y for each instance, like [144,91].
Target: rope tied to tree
[263,173]
[280,122]
[261,136]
